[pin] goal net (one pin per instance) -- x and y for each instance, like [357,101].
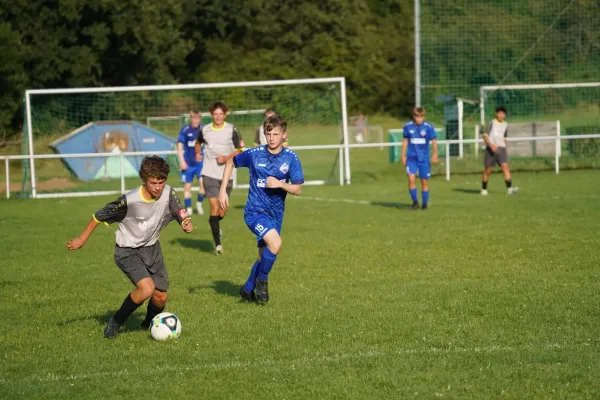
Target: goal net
[537,114]
[91,133]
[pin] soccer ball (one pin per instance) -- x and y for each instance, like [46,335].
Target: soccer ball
[165,326]
[359,138]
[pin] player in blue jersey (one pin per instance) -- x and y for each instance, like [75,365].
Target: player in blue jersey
[274,172]
[415,154]
[190,167]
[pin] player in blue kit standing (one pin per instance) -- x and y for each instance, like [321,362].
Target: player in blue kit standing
[415,155]
[274,172]
[190,167]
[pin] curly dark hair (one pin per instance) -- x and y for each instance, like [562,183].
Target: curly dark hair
[154,167]
[218,104]
[275,121]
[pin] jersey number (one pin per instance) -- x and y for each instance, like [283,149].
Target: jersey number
[259,228]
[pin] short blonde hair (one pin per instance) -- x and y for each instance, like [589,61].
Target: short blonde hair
[418,111]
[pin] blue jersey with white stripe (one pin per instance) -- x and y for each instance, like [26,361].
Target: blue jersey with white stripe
[419,137]
[284,166]
[188,136]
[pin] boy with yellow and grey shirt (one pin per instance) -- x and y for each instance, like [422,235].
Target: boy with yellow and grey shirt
[495,153]
[141,214]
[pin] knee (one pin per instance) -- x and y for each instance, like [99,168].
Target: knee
[145,289]
[275,245]
[160,298]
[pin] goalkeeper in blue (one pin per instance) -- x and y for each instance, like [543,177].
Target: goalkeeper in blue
[275,171]
[418,134]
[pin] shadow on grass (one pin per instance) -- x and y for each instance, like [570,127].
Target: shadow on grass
[205,246]
[390,204]
[468,191]
[220,287]
[132,323]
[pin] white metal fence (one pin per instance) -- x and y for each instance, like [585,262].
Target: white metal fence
[340,147]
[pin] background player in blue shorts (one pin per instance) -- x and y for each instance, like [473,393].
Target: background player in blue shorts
[415,154]
[274,172]
[190,167]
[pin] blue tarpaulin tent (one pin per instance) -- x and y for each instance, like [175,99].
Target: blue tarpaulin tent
[110,137]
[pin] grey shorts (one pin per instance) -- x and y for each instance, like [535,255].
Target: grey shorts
[143,262]
[492,159]
[212,186]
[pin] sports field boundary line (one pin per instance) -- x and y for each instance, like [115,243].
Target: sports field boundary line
[334,200]
[230,365]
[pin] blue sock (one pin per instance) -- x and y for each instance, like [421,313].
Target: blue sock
[250,283]
[187,202]
[200,198]
[413,195]
[425,195]
[266,263]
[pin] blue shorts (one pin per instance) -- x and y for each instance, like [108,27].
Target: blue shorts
[423,168]
[260,224]
[188,175]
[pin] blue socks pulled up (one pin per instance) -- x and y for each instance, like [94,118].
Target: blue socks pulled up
[413,195]
[266,264]
[425,196]
[251,282]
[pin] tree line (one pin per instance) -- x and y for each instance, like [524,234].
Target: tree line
[77,43]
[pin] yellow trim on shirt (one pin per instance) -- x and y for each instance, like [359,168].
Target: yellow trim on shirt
[485,134]
[212,125]
[143,199]
[98,222]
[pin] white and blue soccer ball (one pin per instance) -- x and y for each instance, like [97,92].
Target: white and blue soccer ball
[165,326]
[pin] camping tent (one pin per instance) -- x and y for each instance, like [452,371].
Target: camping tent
[110,137]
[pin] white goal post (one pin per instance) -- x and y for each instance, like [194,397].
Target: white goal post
[344,162]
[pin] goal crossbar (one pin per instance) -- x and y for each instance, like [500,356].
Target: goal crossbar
[483,90]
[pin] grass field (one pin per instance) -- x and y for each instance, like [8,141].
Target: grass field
[477,297]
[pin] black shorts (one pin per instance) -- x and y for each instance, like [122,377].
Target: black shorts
[492,159]
[212,186]
[143,262]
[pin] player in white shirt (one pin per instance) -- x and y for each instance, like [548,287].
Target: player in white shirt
[495,153]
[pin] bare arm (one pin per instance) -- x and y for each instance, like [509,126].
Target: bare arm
[221,159]
[275,183]
[434,158]
[486,138]
[78,242]
[198,150]
[489,144]
[404,148]
[182,162]
[223,197]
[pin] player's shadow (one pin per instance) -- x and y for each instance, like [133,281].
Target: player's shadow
[390,204]
[220,287]
[205,246]
[132,323]
[468,191]
[239,206]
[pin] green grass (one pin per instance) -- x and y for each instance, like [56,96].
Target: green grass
[478,297]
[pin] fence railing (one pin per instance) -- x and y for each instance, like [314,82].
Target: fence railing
[340,147]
